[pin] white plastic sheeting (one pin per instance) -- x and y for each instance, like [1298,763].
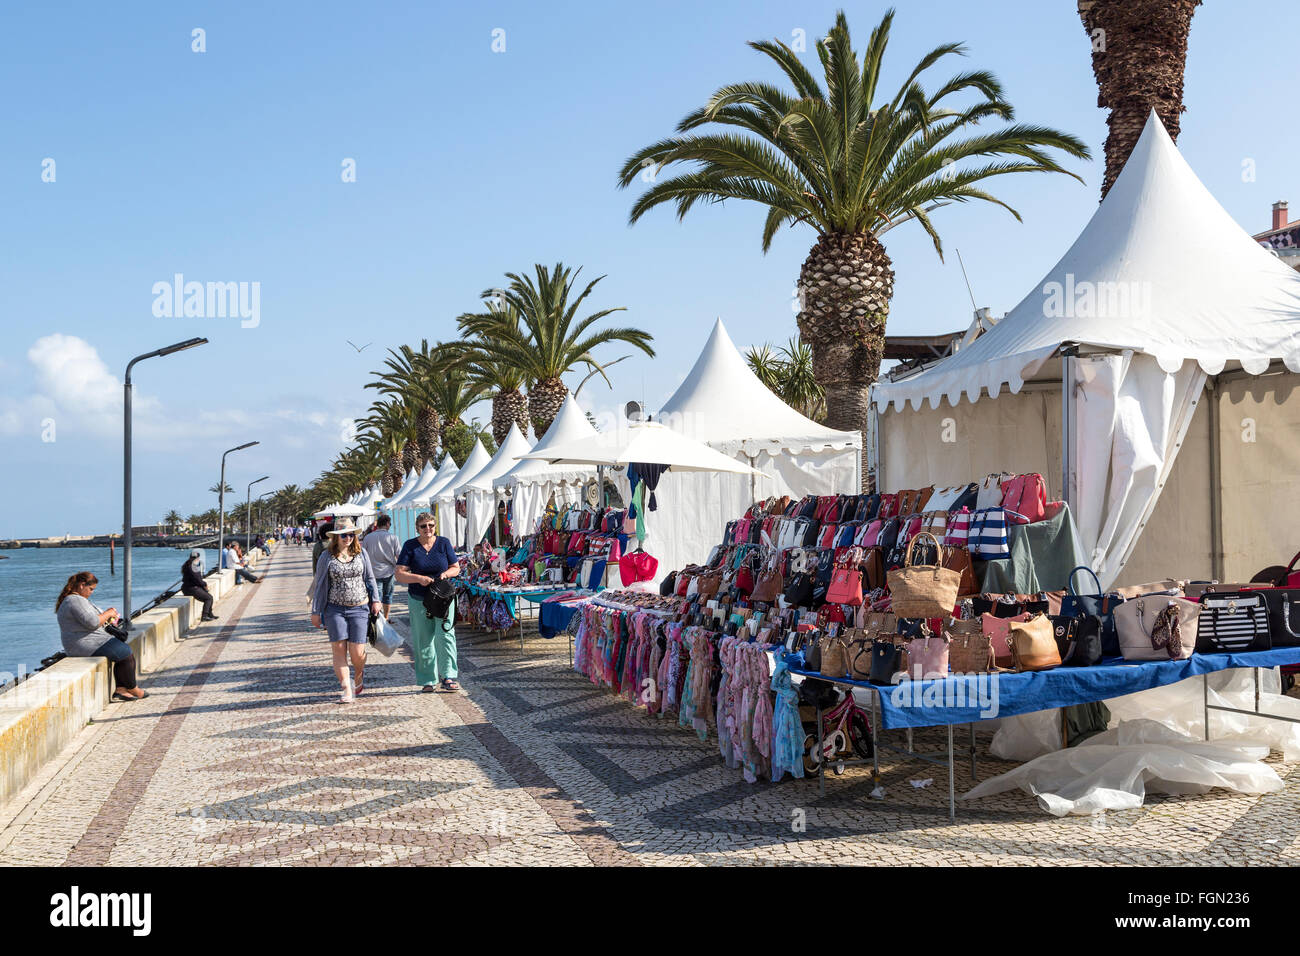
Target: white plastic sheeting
[1115,770]
[1131,417]
[1155,744]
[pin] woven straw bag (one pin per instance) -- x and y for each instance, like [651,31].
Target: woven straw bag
[970,650]
[927,590]
[835,657]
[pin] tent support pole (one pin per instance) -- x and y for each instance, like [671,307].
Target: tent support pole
[753,481]
[1067,428]
[1216,486]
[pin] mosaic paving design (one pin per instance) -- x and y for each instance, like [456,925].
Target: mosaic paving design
[242,756]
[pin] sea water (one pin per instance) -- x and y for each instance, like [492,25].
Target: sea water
[31,579]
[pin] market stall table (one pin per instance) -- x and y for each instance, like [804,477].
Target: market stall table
[969,698]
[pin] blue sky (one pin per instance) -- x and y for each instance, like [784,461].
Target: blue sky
[226,166]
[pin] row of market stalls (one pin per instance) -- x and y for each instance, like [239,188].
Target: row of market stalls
[1163,336]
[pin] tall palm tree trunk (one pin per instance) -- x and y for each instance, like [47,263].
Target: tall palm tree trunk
[1139,53]
[426,433]
[508,406]
[544,401]
[845,287]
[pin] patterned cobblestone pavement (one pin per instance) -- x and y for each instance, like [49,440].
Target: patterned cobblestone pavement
[242,755]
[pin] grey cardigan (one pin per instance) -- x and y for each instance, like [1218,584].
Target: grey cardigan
[320,588]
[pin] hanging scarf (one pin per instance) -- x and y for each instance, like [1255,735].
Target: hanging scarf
[1165,633]
[787,729]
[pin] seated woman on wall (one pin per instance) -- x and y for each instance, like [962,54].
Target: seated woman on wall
[81,627]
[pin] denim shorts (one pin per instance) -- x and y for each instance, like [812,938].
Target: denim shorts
[385,589]
[347,623]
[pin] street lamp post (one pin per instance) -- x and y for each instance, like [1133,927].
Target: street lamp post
[126,468]
[248,510]
[265,494]
[221,501]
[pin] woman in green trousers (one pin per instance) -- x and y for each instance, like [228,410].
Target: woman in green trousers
[422,561]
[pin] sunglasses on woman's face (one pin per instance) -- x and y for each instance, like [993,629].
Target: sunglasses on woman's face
[425,527]
[349,535]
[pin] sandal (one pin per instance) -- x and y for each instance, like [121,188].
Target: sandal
[119,695]
[450,684]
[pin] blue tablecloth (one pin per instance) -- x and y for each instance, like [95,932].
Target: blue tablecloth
[968,698]
[509,596]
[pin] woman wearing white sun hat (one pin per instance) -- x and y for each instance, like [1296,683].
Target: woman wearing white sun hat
[344,595]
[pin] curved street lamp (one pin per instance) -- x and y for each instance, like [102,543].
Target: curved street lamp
[221,502]
[127,536]
[248,509]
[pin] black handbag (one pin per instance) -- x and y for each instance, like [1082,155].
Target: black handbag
[437,601]
[822,579]
[889,535]
[868,505]
[1283,615]
[799,592]
[967,498]
[1078,639]
[812,654]
[668,586]
[114,630]
[1232,621]
[1100,606]
[885,657]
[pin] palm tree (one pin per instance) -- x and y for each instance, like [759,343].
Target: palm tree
[503,379]
[172,518]
[851,165]
[408,379]
[788,372]
[1139,54]
[388,429]
[216,489]
[550,340]
[452,392]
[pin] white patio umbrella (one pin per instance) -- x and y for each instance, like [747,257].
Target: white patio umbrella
[646,442]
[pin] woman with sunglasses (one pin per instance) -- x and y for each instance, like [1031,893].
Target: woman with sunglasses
[81,627]
[344,595]
[423,560]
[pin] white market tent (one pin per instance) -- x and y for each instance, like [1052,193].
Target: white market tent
[345,510]
[480,500]
[723,404]
[531,483]
[444,498]
[1098,379]
[418,500]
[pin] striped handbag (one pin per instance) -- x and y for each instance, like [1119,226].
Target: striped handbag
[1232,621]
[988,540]
[957,532]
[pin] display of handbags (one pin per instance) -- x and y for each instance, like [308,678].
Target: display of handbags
[1158,628]
[1233,621]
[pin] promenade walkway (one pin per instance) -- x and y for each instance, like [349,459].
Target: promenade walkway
[242,755]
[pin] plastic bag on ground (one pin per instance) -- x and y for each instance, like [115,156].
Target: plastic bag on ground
[1026,736]
[1116,769]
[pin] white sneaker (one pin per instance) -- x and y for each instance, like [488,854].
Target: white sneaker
[348,696]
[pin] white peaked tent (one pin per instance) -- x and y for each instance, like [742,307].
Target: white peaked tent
[531,483]
[723,404]
[444,498]
[1098,378]
[480,500]
[418,499]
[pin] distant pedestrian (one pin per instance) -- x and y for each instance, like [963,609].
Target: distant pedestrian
[81,628]
[382,546]
[322,542]
[193,585]
[344,596]
[423,560]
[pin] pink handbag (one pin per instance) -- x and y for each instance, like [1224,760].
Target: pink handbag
[637,566]
[927,657]
[1025,495]
[871,535]
[998,631]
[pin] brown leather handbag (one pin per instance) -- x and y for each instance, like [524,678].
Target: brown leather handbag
[958,559]
[708,583]
[907,502]
[873,569]
[970,650]
[1033,644]
[922,498]
[770,583]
